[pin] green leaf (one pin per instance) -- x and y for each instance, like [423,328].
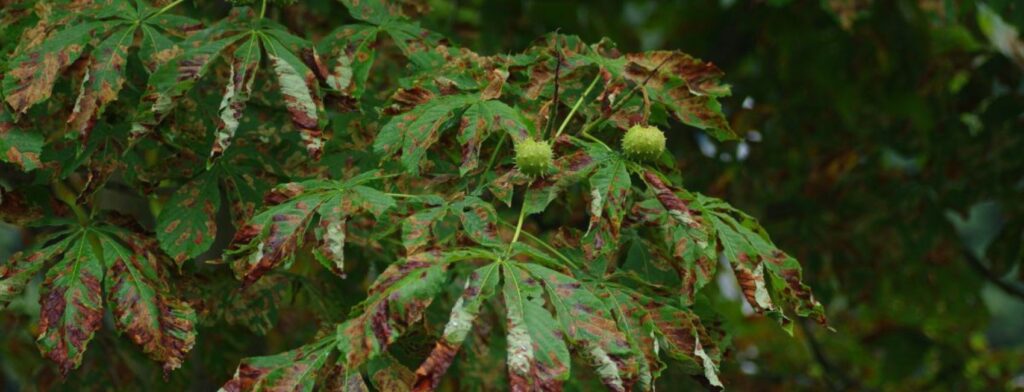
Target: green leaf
[397,299]
[420,45]
[351,49]
[174,78]
[23,266]
[482,118]
[301,93]
[588,324]
[102,82]
[71,306]
[373,11]
[687,86]
[244,62]
[294,370]
[273,235]
[569,170]
[32,74]
[653,327]
[143,305]
[187,225]
[609,187]
[770,279]
[690,236]
[416,229]
[479,220]
[480,287]
[18,146]
[537,357]
[415,131]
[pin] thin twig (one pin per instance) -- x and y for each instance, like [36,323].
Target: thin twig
[1006,287]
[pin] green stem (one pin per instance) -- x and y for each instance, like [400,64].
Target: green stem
[167,8]
[577,105]
[519,227]
[263,9]
[65,195]
[594,139]
[551,249]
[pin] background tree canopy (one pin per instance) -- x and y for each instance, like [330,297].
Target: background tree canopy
[882,146]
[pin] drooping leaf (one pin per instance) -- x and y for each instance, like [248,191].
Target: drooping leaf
[690,236]
[272,236]
[244,62]
[301,93]
[102,82]
[143,305]
[589,326]
[397,299]
[537,357]
[653,327]
[479,287]
[71,306]
[170,81]
[769,278]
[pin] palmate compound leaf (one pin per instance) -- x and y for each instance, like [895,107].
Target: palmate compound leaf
[33,73]
[413,132]
[397,300]
[653,327]
[769,278]
[272,236]
[71,305]
[478,218]
[143,307]
[112,29]
[687,87]
[687,232]
[480,286]
[247,38]
[589,327]
[538,340]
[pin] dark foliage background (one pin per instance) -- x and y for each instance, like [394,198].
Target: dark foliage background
[884,150]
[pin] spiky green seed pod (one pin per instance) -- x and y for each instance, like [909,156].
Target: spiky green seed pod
[534,157]
[643,142]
